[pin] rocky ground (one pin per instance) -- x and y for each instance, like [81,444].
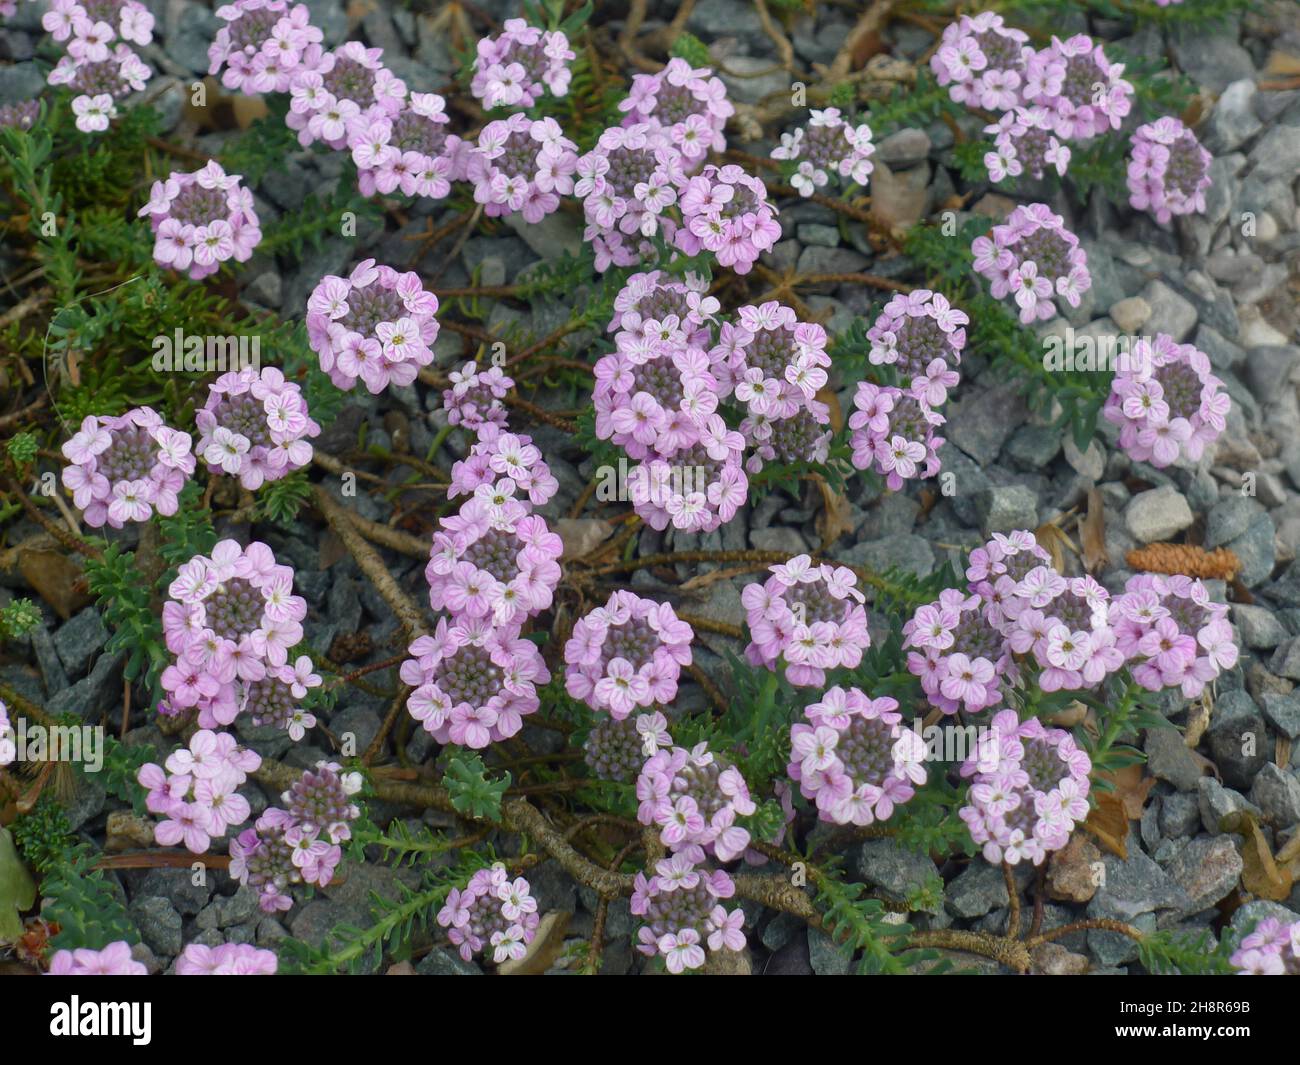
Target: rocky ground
[1227,287]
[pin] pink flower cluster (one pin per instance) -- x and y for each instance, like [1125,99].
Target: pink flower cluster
[725,211]
[1166,401]
[681,911]
[498,456]
[255,426]
[331,91]
[689,105]
[261,44]
[1172,634]
[1079,87]
[493,559]
[494,911]
[854,758]
[228,959]
[626,183]
[656,393]
[653,307]
[773,363]
[99,65]
[198,793]
[1034,258]
[920,334]
[232,618]
[114,960]
[694,798]
[202,220]
[892,431]
[827,147]
[1026,143]
[376,324]
[301,842]
[474,681]
[522,165]
[124,468]
[995,569]
[1270,949]
[406,147]
[983,60]
[1029,789]
[474,398]
[627,654]
[517,66]
[1169,171]
[1063,623]
[699,489]
[615,750]
[810,615]
[960,658]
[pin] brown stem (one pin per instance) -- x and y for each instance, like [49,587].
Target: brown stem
[369,562]
[1013,902]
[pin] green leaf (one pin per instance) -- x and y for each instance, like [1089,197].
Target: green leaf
[17,889]
[472,792]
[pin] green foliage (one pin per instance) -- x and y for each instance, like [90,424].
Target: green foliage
[87,907]
[121,766]
[18,618]
[123,597]
[26,155]
[473,792]
[1188,953]
[692,49]
[856,924]
[996,333]
[22,448]
[281,500]
[354,949]
[186,533]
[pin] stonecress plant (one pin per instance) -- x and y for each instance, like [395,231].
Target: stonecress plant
[255,426]
[1033,258]
[689,104]
[827,147]
[520,65]
[491,914]
[99,84]
[474,681]
[1029,788]
[498,456]
[854,758]
[808,616]
[493,559]
[123,469]
[983,61]
[407,147]
[196,791]
[521,166]
[231,620]
[376,325]
[627,655]
[694,798]
[299,843]
[331,91]
[1169,171]
[261,44]
[201,220]
[1166,401]
[680,906]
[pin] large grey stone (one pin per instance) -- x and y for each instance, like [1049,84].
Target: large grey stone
[1276,791]
[1157,514]
[1206,870]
